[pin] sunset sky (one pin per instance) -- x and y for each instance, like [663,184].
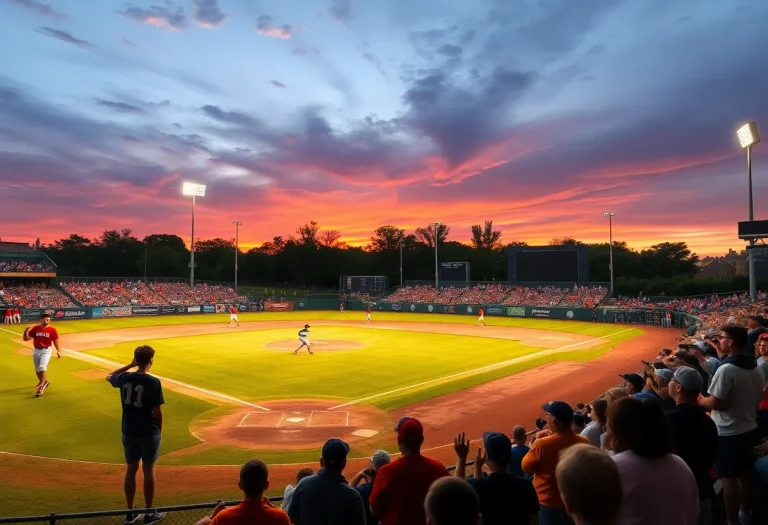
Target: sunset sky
[539,115]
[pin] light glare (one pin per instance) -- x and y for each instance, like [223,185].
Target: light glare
[748,135]
[190,188]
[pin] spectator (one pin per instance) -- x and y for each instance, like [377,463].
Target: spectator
[541,461]
[735,394]
[451,501]
[756,327]
[762,351]
[505,498]
[658,487]
[378,460]
[761,465]
[594,499]
[706,355]
[519,450]
[399,488]
[255,508]
[325,498]
[141,396]
[614,394]
[637,387]
[595,429]
[659,379]
[694,435]
[578,423]
[289,489]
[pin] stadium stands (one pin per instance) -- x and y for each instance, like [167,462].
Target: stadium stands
[25,265]
[180,293]
[36,296]
[585,296]
[105,293]
[538,296]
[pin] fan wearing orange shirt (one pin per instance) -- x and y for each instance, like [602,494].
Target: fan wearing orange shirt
[255,507]
[541,460]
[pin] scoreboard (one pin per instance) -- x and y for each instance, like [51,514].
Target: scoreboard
[367,284]
[454,271]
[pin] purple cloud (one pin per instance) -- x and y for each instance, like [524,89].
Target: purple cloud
[340,11]
[169,16]
[207,13]
[277,83]
[265,25]
[64,37]
[40,8]
[120,107]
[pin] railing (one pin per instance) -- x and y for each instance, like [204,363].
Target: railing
[177,514]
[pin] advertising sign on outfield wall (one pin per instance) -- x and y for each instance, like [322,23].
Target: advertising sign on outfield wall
[448,309]
[494,310]
[69,314]
[516,311]
[396,307]
[144,310]
[278,306]
[209,309]
[193,309]
[221,308]
[112,311]
[165,310]
[540,312]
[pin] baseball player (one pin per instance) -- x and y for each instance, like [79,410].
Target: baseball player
[43,336]
[304,338]
[8,316]
[480,317]
[16,315]
[368,314]
[341,308]
[233,316]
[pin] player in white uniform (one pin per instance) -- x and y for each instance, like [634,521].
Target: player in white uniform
[304,338]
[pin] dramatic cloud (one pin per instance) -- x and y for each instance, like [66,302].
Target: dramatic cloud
[40,8]
[207,13]
[265,25]
[277,83]
[64,37]
[169,16]
[120,107]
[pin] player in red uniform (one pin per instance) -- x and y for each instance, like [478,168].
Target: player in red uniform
[8,316]
[341,308]
[42,336]
[16,315]
[368,314]
[233,316]
[480,317]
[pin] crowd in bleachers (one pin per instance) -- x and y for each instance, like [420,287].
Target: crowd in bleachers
[538,296]
[180,293]
[35,296]
[25,265]
[105,293]
[586,296]
[690,305]
[647,452]
[420,293]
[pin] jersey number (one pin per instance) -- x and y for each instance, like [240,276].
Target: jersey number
[128,388]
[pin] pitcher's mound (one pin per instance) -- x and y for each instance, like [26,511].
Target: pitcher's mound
[320,345]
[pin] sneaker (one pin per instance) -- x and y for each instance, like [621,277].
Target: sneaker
[131,518]
[40,390]
[154,517]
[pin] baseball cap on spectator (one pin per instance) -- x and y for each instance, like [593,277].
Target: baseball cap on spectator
[665,373]
[335,451]
[689,379]
[560,410]
[497,447]
[635,380]
[541,423]
[409,429]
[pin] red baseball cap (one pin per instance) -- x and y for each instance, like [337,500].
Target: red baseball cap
[409,429]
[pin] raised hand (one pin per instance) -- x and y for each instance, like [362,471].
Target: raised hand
[461,446]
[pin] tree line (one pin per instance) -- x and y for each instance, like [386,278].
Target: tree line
[315,257]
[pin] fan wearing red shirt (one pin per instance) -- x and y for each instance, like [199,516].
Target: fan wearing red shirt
[43,336]
[233,316]
[400,487]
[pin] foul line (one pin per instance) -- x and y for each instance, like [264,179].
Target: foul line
[480,369]
[92,358]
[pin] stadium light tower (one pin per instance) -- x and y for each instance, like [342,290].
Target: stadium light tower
[237,247]
[436,225]
[401,262]
[610,216]
[748,137]
[193,190]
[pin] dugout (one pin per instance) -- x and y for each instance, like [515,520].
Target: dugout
[560,265]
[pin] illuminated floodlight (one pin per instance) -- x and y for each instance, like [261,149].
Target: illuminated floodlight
[190,188]
[609,214]
[748,135]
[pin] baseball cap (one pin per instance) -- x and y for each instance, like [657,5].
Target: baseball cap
[409,429]
[665,373]
[44,314]
[689,379]
[634,380]
[335,451]
[560,410]
[497,446]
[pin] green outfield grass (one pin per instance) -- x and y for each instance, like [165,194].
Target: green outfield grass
[79,418]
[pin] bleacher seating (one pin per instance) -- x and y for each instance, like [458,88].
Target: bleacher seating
[106,293]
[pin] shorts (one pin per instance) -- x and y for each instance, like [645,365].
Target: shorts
[481,318]
[304,340]
[735,455]
[41,359]
[233,317]
[144,449]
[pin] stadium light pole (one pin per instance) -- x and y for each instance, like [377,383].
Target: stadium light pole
[748,136]
[193,190]
[237,247]
[610,216]
[145,261]
[436,225]
[401,262]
